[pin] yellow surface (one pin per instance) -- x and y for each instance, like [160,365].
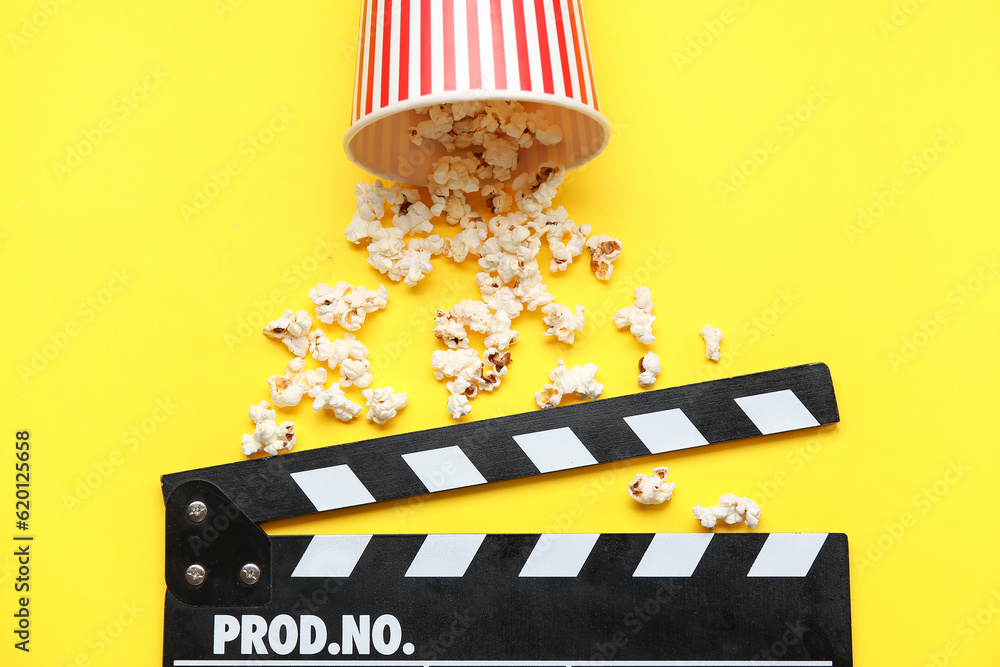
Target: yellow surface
[140,328]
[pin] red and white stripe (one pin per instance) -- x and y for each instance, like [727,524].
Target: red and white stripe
[414,48]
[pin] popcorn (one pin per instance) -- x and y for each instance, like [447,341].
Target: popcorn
[463,363]
[386,249]
[452,173]
[535,192]
[548,397]
[498,129]
[346,304]
[383,403]
[371,209]
[410,214]
[580,380]
[652,490]
[334,399]
[287,389]
[498,297]
[292,331]
[562,322]
[267,435]
[453,206]
[731,509]
[470,239]
[450,329]
[499,335]
[638,317]
[497,199]
[357,372]
[713,341]
[475,314]
[413,263]
[604,250]
[649,368]
[458,405]
[495,365]
[532,292]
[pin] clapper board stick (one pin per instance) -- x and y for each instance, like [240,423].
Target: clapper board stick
[466,599]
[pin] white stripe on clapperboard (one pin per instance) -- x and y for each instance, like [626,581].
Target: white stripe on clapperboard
[562,555]
[335,487]
[509,663]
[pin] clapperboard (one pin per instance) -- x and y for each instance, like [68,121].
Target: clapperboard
[236,596]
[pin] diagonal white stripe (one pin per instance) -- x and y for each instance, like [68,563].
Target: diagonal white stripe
[666,431]
[673,555]
[510,45]
[555,449]
[437,47]
[331,556]
[787,555]
[445,555]
[414,78]
[377,56]
[332,488]
[534,48]
[559,555]
[555,59]
[461,23]
[776,411]
[488,76]
[394,53]
[444,468]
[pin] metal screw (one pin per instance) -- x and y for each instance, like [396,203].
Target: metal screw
[250,574]
[197,511]
[195,574]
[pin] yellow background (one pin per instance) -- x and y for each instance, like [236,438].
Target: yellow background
[895,78]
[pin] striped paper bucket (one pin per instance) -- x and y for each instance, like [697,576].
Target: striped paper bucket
[416,53]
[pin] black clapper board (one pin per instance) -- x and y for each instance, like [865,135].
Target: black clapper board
[669,599]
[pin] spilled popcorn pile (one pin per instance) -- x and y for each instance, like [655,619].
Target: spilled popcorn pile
[483,143]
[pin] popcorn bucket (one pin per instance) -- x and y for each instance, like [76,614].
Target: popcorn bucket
[417,53]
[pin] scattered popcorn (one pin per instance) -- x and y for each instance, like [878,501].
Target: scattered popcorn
[497,199]
[461,363]
[580,380]
[287,390]
[638,317]
[334,399]
[534,193]
[410,214]
[498,297]
[475,314]
[383,403]
[386,249]
[371,208]
[458,405]
[731,509]
[649,368]
[267,435]
[652,490]
[291,329]
[357,372]
[498,333]
[713,341]
[603,251]
[470,239]
[548,397]
[346,304]
[335,352]
[495,365]
[562,322]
